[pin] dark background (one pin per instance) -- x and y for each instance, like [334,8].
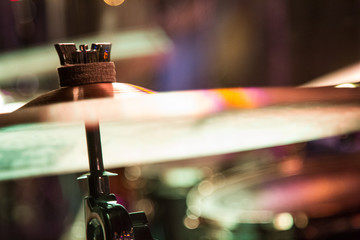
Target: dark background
[216,43]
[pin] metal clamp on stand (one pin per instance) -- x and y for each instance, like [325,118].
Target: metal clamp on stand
[105,219]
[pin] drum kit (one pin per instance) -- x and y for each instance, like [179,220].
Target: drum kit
[93,115]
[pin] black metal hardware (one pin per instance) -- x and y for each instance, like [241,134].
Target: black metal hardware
[105,218]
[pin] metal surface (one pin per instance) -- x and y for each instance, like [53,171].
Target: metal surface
[192,104]
[350,74]
[97,178]
[87,92]
[105,219]
[165,127]
[68,54]
[311,187]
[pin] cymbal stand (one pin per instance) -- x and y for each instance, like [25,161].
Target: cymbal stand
[105,219]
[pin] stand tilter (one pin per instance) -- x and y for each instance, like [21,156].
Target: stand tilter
[105,218]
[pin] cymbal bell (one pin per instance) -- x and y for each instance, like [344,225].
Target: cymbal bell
[162,127]
[86,92]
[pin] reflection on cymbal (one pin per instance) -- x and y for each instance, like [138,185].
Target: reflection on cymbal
[170,126]
[317,189]
[191,104]
[349,74]
[86,92]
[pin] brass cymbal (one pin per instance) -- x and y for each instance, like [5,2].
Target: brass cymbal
[162,127]
[110,106]
[86,92]
[305,187]
[349,74]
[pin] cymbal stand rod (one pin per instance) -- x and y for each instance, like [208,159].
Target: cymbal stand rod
[105,218]
[98,178]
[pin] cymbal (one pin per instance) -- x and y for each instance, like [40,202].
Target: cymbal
[349,74]
[145,129]
[311,187]
[112,106]
[86,92]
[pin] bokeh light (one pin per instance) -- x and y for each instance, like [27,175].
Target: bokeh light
[191,223]
[283,221]
[114,2]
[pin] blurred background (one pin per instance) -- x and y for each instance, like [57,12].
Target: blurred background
[169,45]
[192,44]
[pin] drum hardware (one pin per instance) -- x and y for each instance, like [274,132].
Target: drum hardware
[105,219]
